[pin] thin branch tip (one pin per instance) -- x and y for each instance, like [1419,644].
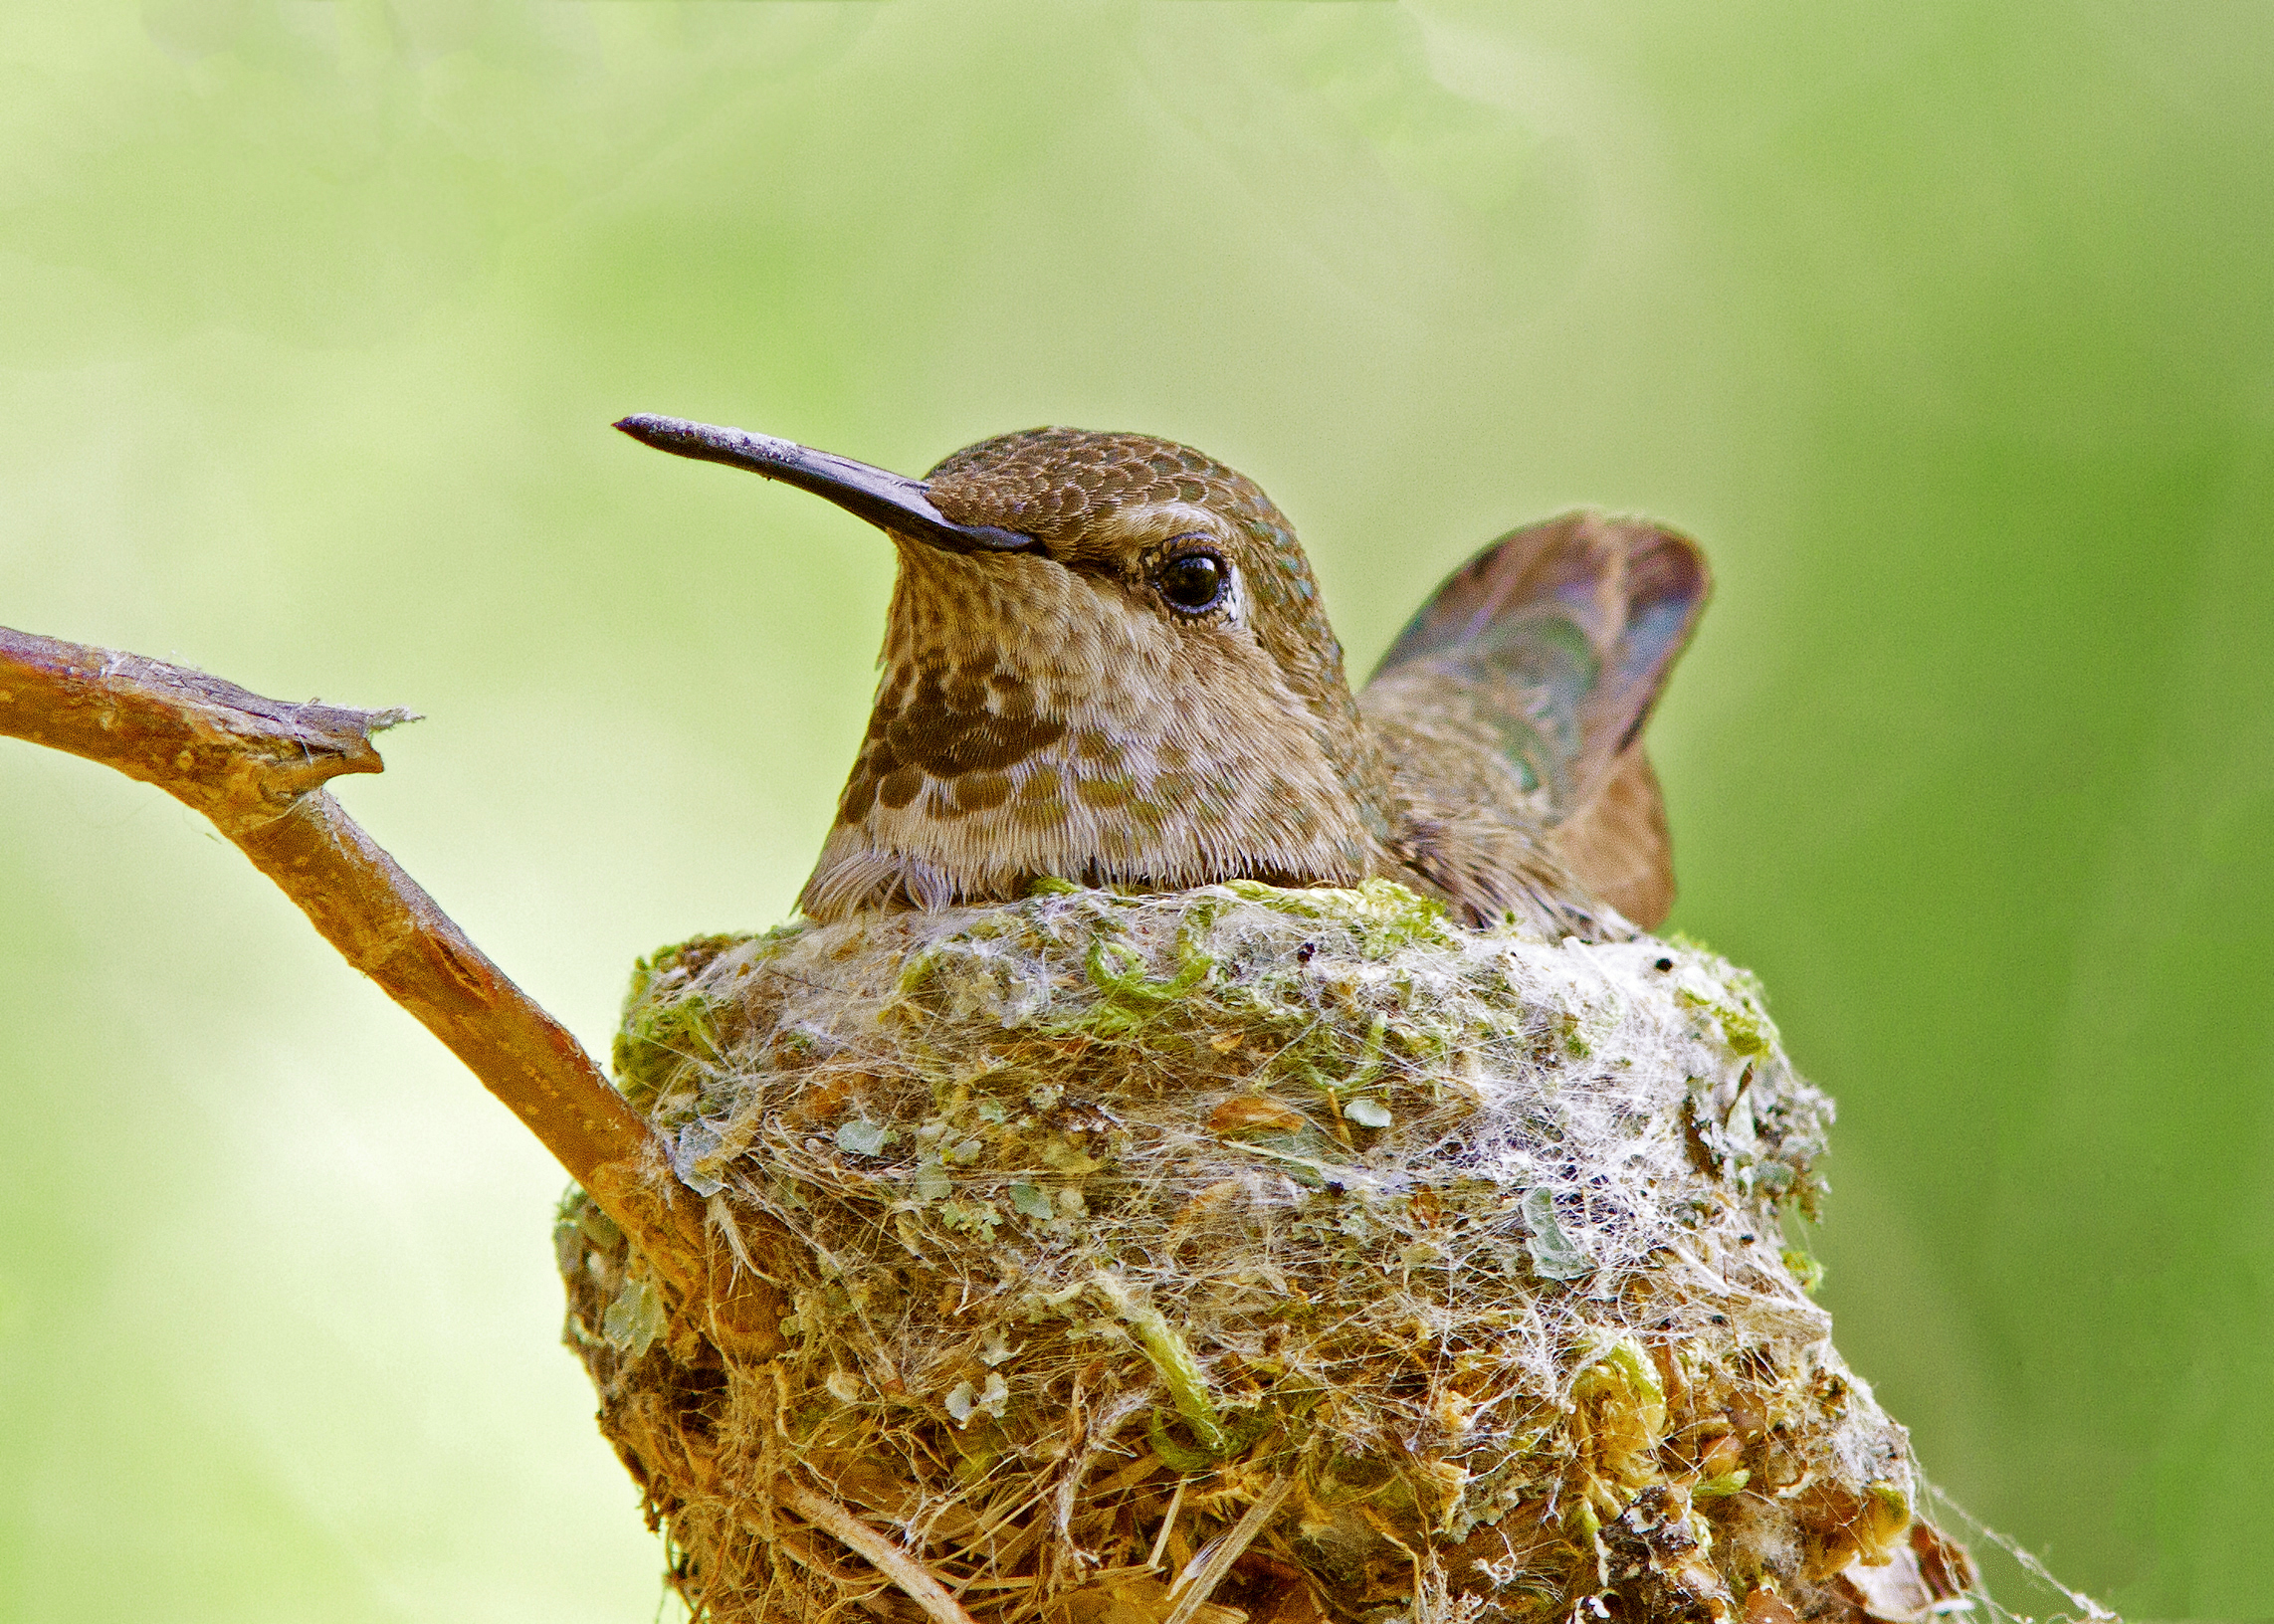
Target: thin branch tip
[257,768]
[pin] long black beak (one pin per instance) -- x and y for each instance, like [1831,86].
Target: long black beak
[887,501]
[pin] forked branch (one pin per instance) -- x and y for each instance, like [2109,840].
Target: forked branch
[257,768]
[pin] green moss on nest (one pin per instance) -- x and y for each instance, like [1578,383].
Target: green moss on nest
[1104,1218]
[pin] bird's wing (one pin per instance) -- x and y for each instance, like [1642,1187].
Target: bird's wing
[1553,642]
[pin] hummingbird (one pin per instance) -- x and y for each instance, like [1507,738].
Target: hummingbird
[1106,661]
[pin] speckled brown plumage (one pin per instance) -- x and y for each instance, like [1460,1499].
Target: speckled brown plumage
[1042,714]
[1049,483]
[1106,661]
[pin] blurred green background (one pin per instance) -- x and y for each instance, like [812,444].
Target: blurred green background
[1947,327]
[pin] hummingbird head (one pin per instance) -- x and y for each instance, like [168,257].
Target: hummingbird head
[1106,661]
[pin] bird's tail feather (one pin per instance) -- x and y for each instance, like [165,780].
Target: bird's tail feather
[1563,633]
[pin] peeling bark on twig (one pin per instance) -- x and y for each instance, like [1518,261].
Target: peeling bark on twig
[257,768]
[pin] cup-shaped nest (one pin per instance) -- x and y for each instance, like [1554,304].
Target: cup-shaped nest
[1240,1253]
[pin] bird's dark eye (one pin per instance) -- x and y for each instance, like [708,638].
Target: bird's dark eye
[1193,582]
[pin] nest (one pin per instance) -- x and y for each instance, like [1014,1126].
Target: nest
[1241,1254]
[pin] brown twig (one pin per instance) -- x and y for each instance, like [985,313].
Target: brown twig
[257,768]
[1207,1570]
[915,1581]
